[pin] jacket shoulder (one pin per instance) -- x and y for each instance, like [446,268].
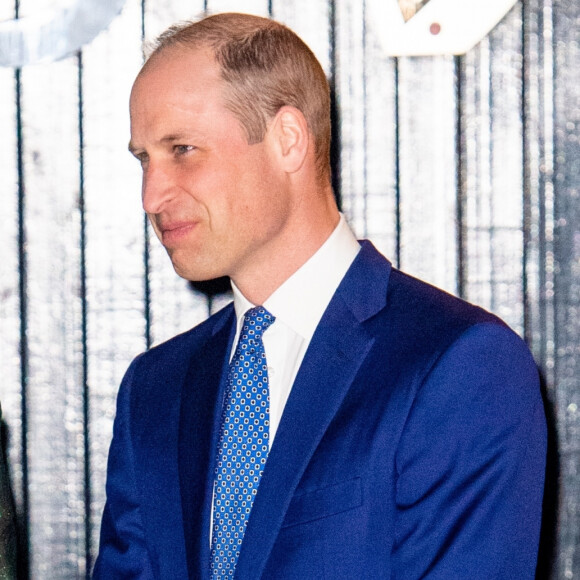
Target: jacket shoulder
[420,321]
[191,340]
[419,301]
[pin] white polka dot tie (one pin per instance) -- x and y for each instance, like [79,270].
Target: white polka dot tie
[243,444]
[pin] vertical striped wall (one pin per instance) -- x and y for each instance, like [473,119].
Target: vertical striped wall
[465,171]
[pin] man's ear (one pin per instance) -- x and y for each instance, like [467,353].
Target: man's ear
[291,138]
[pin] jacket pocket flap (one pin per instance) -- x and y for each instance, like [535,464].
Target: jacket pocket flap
[324,502]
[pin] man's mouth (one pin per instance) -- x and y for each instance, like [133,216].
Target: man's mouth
[172,233]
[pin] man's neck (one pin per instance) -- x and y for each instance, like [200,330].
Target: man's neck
[258,285]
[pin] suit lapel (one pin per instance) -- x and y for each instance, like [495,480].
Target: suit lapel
[199,425]
[334,357]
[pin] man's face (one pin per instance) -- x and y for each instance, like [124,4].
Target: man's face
[216,203]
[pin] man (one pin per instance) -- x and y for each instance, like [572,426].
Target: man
[403,428]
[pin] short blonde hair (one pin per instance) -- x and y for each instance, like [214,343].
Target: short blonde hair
[265,67]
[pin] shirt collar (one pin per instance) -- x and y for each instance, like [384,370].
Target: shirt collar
[302,299]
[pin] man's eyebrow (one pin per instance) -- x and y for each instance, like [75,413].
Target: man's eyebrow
[171,138]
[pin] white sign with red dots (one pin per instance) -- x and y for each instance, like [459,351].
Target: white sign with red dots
[433,27]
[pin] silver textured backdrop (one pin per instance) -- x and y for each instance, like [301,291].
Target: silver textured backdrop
[464,170]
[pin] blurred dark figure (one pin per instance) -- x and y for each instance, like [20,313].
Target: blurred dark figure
[7,528]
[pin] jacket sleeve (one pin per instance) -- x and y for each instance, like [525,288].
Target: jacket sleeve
[123,552]
[470,464]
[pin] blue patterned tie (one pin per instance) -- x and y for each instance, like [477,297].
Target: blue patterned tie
[243,444]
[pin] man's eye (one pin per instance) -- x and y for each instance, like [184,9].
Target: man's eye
[182,149]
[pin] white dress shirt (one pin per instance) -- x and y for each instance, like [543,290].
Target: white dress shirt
[298,305]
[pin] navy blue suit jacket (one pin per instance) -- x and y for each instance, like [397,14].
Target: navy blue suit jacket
[412,446]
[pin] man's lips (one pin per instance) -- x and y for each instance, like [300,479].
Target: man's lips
[173,232]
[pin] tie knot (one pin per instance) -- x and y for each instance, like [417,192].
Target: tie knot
[256,321]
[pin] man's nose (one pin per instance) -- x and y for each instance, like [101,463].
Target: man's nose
[157,189]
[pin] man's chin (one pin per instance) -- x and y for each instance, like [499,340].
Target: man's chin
[203,278]
[194,275]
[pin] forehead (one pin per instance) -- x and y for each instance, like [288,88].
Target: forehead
[180,93]
[178,74]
